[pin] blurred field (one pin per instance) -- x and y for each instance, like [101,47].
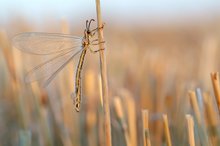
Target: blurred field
[157,75]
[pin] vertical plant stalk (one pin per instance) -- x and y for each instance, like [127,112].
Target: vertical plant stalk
[167,131]
[146,133]
[190,125]
[199,117]
[8,54]
[195,106]
[121,118]
[107,122]
[15,82]
[131,116]
[100,90]
[216,87]
[212,120]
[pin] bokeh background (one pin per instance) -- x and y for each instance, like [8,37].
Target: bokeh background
[157,51]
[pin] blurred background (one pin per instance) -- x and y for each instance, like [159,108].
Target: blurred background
[157,51]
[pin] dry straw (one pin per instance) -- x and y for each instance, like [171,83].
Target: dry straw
[167,131]
[103,68]
[216,87]
[190,127]
[120,114]
[7,51]
[199,115]
[210,113]
[129,103]
[211,119]
[195,106]
[100,90]
[146,132]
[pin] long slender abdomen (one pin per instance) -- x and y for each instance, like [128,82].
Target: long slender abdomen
[77,99]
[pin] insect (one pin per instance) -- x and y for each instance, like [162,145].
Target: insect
[64,47]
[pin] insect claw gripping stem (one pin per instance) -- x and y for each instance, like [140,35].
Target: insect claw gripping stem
[96,40]
[95,51]
[96,29]
[102,26]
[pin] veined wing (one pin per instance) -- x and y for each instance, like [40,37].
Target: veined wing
[45,43]
[45,72]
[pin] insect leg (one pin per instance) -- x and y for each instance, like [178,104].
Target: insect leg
[95,51]
[96,29]
[96,42]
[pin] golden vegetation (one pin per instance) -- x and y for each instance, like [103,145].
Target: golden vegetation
[160,91]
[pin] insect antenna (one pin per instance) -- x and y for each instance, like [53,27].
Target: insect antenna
[90,23]
[87,21]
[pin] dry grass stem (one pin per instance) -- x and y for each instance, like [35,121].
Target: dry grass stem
[216,87]
[120,114]
[7,51]
[100,90]
[103,68]
[195,106]
[118,108]
[211,119]
[146,132]
[131,115]
[211,116]
[167,131]
[190,126]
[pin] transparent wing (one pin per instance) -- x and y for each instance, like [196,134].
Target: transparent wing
[45,43]
[45,72]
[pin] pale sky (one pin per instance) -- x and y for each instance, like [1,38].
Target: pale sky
[117,10]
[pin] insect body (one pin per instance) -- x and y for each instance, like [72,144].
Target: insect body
[77,94]
[86,45]
[64,47]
